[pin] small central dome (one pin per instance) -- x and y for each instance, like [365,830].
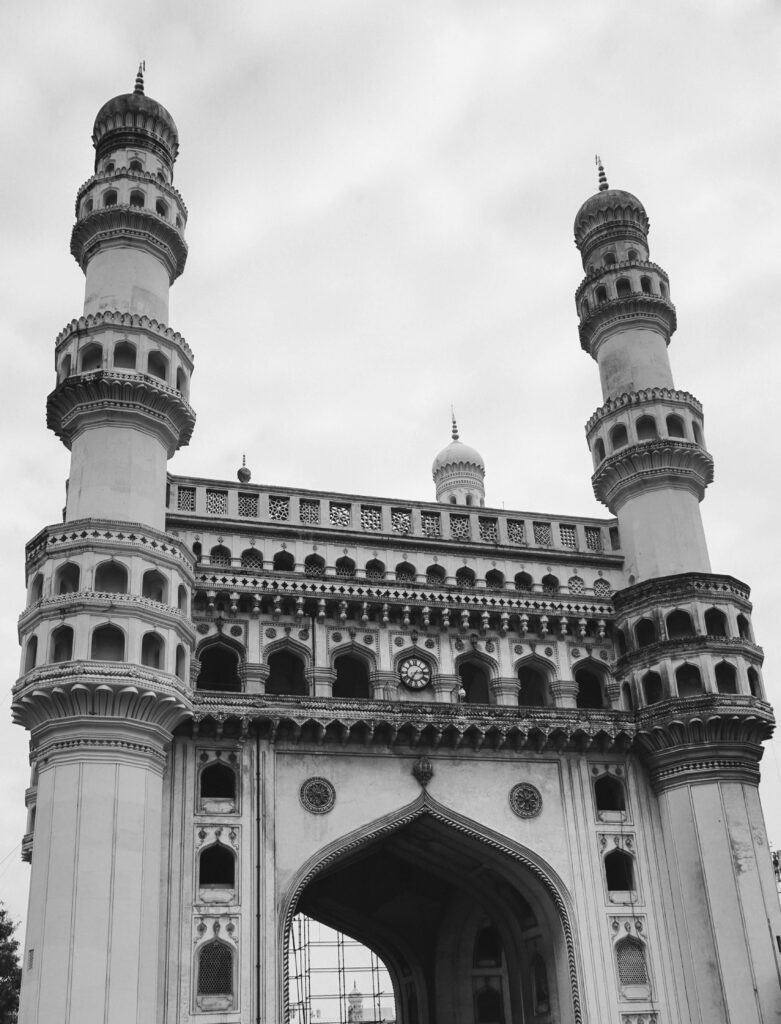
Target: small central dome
[459,473]
[458,453]
[135,119]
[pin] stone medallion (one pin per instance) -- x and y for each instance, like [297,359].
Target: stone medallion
[317,795]
[525,800]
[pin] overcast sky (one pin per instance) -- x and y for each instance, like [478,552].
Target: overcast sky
[381,199]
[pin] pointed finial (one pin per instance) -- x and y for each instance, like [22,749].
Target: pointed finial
[244,474]
[455,425]
[139,89]
[603,185]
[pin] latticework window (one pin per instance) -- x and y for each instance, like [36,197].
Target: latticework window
[401,520]
[543,535]
[516,531]
[602,588]
[252,559]
[371,517]
[576,585]
[248,505]
[340,514]
[459,527]
[186,501]
[215,970]
[220,556]
[217,502]
[430,523]
[279,509]
[309,512]
[314,567]
[345,568]
[593,538]
[489,530]
[569,538]
[630,957]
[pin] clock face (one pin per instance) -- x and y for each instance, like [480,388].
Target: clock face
[415,673]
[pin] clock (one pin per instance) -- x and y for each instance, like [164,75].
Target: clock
[415,673]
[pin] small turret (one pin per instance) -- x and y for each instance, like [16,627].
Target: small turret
[459,473]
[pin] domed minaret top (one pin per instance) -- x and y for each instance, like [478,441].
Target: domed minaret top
[459,473]
[610,215]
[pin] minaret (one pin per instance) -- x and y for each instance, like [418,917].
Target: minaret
[686,650]
[106,634]
[459,473]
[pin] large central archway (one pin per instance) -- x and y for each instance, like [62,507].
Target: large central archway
[473,928]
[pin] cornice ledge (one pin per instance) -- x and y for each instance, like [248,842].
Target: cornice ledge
[677,586]
[113,531]
[630,468]
[636,307]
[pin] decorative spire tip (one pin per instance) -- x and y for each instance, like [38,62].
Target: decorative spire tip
[455,425]
[603,185]
[139,89]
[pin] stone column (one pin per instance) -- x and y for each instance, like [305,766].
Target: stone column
[564,693]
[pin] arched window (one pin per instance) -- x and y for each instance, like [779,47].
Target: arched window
[135,165]
[345,568]
[697,431]
[219,669]
[620,638]
[679,624]
[137,198]
[197,549]
[178,221]
[715,622]
[405,572]
[753,682]
[540,989]
[111,578]
[744,629]
[534,687]
[630,962]
[646,428]
[36,588]
[286,674]
[726,678]
[217,867]
[652,688]
[31,654]
[609,794]
[689,681]
[154,586]
[599,449]
[675,427]
[487,949]
[602,588]
[494,579]
[62,644]
[589,689]
[523,581]
[157,365]
[86,207]
[584,308]
[284,561]
[645,284]
[314,565]
[474,681]
[435,576]
[181,599]
[181,381]
[125,356]
[631,255]
[218,787]
[645,633]
[109,168]
[618,437]
[609,259]
[550,584]
[465,577]
[220,555]
[623,287]
[91,358]
[352,678]
[576,585]
[161,209]
[619,871]
[663,289]
[181,662]
[110,197]
[627,700]
[215,971]
[153,650]
[252,559]
[65,367]
[600,295]
[375,569]
[108,644]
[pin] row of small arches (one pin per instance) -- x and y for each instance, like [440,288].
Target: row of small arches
[107,643]
[646,429]
[135,166]
[623,290]
[111,577]
[688,683]
[404,572]
[679,625]
[124,357]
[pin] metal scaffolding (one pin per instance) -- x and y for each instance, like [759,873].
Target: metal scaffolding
[333,979]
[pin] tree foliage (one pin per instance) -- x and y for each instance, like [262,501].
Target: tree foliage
[10,970]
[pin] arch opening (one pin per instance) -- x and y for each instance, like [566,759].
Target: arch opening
[286,674]
[219,669]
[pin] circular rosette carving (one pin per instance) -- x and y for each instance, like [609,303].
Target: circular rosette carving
[317,795]
[525,800]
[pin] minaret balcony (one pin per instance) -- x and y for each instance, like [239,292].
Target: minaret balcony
[154,184]
[143,610]
[637,309]
[654,463]
[634,269]
[117,223]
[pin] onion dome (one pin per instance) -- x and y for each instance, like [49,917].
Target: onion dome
[133,119]
[243,473]
[459,472]
[609,214]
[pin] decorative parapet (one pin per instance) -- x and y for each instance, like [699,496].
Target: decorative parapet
[642,397]
[112,224]
[632,468]
[116,318]
[125,172]
[132,394]
[689,645]
[639,308]
[600,270]
[94,600]
[697,586]
[78,534]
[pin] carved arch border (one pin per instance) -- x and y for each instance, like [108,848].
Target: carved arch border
[389,823]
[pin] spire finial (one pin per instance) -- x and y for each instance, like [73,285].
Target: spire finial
[603,185]
[455,425]
[139,89]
